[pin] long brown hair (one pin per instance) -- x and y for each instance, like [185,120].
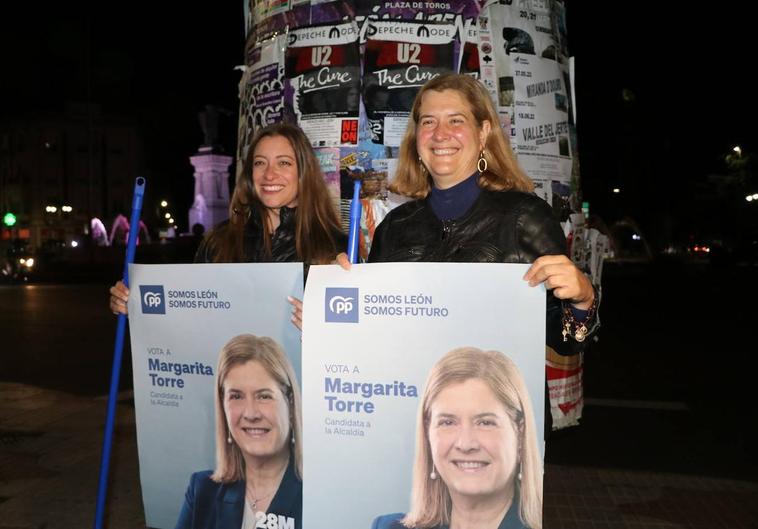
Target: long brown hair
[503,172]
[316,219]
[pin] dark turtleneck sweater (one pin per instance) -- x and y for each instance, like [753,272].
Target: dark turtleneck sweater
[453,202]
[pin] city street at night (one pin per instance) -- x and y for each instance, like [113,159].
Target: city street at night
[606,150]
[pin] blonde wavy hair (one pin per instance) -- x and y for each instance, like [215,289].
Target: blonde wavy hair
[431,503]
[503,172]
[230,464]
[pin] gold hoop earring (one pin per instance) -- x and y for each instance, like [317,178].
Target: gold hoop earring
[481,165]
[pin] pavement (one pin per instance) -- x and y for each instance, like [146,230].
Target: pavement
[50,444]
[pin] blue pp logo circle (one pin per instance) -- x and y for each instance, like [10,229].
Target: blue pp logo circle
[341,305]
[152,299]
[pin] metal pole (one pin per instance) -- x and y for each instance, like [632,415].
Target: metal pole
[353,241]
[102,489]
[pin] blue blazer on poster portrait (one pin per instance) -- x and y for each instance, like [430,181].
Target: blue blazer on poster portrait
[211,505]
[388,521]
[392,521]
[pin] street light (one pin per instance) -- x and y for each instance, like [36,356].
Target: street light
[164,204]
[617,190]
[737,149]
[67,209]
[167,216]
[51,209]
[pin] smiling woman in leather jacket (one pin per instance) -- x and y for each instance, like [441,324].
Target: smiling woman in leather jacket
[475,204]
[280,210]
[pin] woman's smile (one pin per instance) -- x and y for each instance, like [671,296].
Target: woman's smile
[473,440]
[448,138]
[275,172]
[470,466]
[257,411]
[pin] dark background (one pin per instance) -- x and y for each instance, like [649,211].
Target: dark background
[158,63]
[689,100]
[663,94]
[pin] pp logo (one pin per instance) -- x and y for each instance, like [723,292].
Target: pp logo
[153,300]
[341,305]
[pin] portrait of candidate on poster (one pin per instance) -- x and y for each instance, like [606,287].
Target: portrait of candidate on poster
[258,470]
[379,393]
[476,446]
[179,321]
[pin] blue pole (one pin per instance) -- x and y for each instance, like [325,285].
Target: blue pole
[102,489]
[353,241]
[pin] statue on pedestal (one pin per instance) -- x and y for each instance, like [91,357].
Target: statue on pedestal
[211,203]
[209,120]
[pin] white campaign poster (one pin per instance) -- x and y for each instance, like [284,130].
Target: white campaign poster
[180,316]
[370,337]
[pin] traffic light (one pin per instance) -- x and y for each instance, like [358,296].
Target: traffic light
[9,219]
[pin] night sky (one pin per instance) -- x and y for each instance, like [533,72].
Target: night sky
[687,71]
[149,61]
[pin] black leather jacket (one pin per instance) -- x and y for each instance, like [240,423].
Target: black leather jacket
[503,227]
[282,241]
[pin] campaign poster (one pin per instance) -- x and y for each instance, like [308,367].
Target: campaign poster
[180,317]
[323,72]
[370,337]
[400,57]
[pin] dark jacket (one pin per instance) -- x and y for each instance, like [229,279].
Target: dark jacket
[211,505]
[500,227]
[282,241]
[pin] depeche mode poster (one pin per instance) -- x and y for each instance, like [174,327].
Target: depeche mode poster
[180,316]
[371,335]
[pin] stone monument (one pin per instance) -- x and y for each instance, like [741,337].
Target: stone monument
[211,203]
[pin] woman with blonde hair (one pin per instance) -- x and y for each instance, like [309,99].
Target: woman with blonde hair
[259,467]
[477,462]
[473,203]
